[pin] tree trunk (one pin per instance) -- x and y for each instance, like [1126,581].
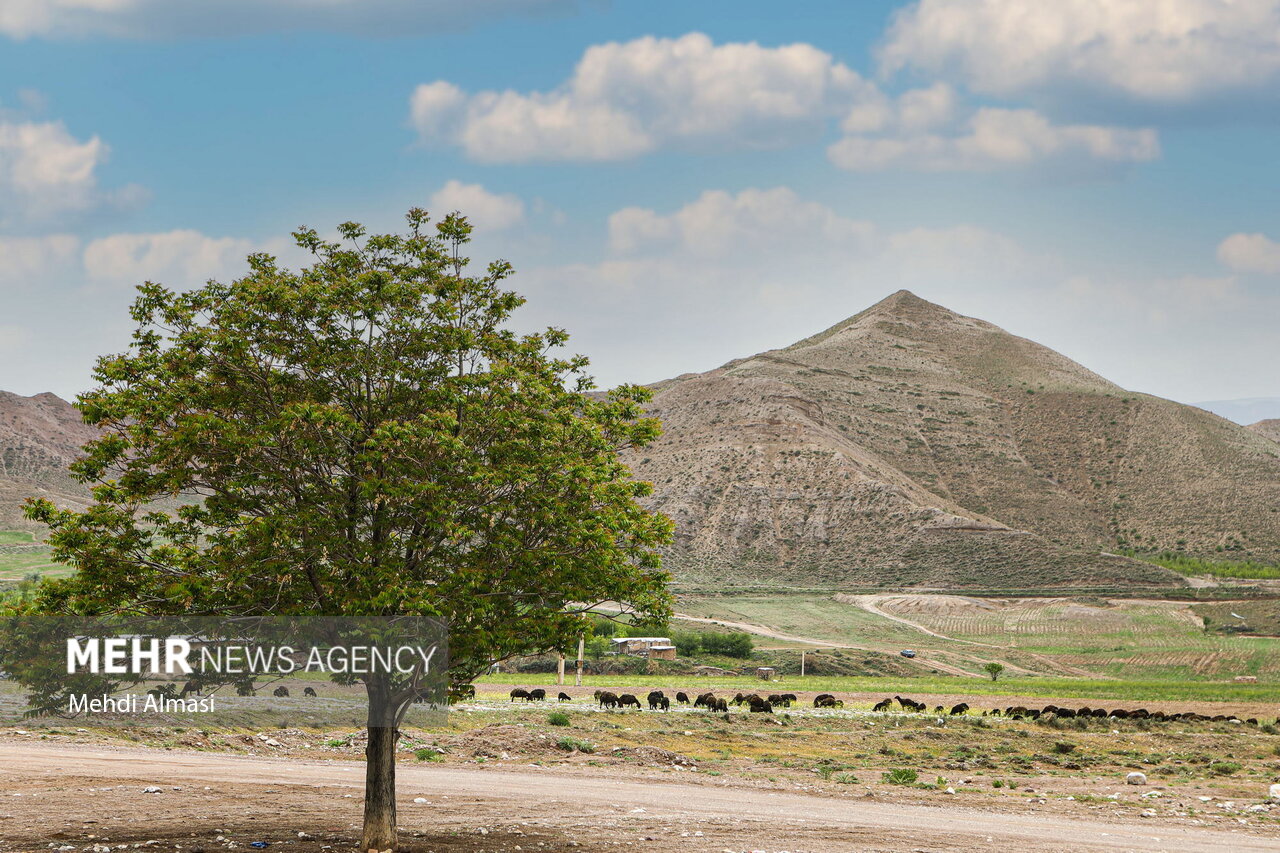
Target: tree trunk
[380,769]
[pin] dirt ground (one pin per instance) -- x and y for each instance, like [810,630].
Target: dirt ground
[61,798]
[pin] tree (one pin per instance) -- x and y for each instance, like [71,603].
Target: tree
[994,669]
[364,437]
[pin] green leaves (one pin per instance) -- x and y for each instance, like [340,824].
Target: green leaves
[362,436]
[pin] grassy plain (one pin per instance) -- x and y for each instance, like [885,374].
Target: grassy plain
[1141,641]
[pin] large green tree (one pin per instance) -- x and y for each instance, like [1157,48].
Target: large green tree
[364,437]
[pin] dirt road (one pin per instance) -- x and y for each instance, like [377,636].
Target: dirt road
[583,810]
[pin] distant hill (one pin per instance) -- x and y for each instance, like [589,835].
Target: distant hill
[912,446]
[1245,410]
[1269,428]
[39,437]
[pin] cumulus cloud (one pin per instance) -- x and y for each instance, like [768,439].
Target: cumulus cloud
[45,171]
[1250,253]
[627,99]
[179,259]
[995,138]
[487,211]
[202,18]
[1167,51]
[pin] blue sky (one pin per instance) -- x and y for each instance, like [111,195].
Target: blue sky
[678,184]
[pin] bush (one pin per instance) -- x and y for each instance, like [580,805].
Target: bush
[569,744]
[427,753]
[1224,768]
[558,718]
[900,776]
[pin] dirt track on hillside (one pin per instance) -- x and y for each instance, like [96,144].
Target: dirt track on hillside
[51,794]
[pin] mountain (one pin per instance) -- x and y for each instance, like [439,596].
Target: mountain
[1246,410]
[39,437]
[1269,428]
[912,446]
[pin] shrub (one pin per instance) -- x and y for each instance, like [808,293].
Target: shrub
[1063,748]
[1224,768]
[427,753]
[900,776]
[558,718]
[570,744]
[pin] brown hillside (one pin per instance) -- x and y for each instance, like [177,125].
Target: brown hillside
[909,445]
[1269,428]
[39,437]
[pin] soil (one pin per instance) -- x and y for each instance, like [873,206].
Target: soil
[60,797]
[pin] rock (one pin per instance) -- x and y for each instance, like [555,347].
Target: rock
[1275,793]
[1136,778]
[951,790]
[304,836]
[1148,812]
[420,800]
[151,789]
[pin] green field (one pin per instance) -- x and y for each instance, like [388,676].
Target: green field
[18,562]
[1132,640]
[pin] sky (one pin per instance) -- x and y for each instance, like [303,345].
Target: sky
[677,184]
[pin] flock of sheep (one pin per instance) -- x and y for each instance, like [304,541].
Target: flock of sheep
[658,701]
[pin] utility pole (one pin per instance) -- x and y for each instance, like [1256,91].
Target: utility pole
[802,663]
[560,668]
[577,679]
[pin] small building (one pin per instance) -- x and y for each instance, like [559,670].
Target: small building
[765,673]
[659,648]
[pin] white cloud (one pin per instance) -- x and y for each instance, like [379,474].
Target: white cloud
[485,210]
[718,223]
[627,99]
[1250,253]
[1163,50]
[202,18]
[179,259]
[33,261]
[995,138]
[45,171]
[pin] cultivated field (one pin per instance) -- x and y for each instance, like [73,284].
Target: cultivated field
[1097,638]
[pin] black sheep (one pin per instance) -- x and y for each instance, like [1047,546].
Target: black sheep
[309,691]
[280,692]
[564,697]
[519,693]
[626,700]
[537,694]
[657,699]
[682,698]
[883,705]
[962,708]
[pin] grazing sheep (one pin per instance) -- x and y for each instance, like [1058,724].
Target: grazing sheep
[719,705]
[607,699]
[962,708]
[626,700]
[938,709]
[564,697]
[790,699]
[739,699]
[682,698]
[759,706]
[706,700]
[280,692]
[191,686]
[519,693]
[309,691]
[657,699]
[537,694]
[882,705]
[824,700]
